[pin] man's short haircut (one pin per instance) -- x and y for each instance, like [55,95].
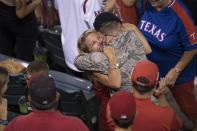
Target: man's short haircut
[142,89]
[108,27]
[81,45]
[38,67]
[103,18]
[123,123]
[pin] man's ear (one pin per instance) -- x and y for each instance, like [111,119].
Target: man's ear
[57,96]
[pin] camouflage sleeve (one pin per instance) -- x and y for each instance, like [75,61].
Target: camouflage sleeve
[136,43]
[96,61]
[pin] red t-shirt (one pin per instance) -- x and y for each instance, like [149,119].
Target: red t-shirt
[46,121]
[127,14]
[151,117]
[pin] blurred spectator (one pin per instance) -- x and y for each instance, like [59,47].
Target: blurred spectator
[144,79]
[18,28]
[170,31]
[44,100]
[191,5]
[46,14]
[124,9]
[122,108]
[76,16]
[4,79]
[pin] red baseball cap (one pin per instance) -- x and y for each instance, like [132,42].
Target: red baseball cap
[122,105]
[147,69]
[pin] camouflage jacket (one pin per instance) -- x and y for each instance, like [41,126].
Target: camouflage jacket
[128,51]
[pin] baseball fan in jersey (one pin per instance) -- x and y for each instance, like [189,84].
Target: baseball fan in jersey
[169,29]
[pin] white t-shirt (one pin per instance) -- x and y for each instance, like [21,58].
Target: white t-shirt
[76,16]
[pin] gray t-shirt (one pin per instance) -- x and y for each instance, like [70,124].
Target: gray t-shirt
[128,51]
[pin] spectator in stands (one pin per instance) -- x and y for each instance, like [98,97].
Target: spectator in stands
[76,16]
[144,78]
[46,14]
[44,100]
[4,79]
[124,9]
[18,28]
[122,108]
[169,28]
[35,67]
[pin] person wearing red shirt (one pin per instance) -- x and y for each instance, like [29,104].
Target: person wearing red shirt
[44,98]
[150,117]
[124,9]
[122,110]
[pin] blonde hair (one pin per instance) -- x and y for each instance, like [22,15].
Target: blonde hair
[81,45]
[3,80]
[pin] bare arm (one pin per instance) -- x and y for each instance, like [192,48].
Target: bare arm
[3,112]
[181,64]
[145,44]
[128,3]
[113,78]
[39,14]
[22,9]
[110,4]
[160,93]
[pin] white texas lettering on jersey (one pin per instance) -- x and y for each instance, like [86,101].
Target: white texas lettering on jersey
[153,30]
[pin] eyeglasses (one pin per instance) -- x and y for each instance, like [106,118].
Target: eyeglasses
[104,40]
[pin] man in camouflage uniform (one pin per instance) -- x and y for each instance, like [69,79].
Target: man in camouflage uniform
[130,47]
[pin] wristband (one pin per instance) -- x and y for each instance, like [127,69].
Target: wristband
[3,122]
[177,70]
[113,66]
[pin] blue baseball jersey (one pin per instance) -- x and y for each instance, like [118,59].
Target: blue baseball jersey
[170,32]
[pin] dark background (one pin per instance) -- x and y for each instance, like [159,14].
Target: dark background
[192,6]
